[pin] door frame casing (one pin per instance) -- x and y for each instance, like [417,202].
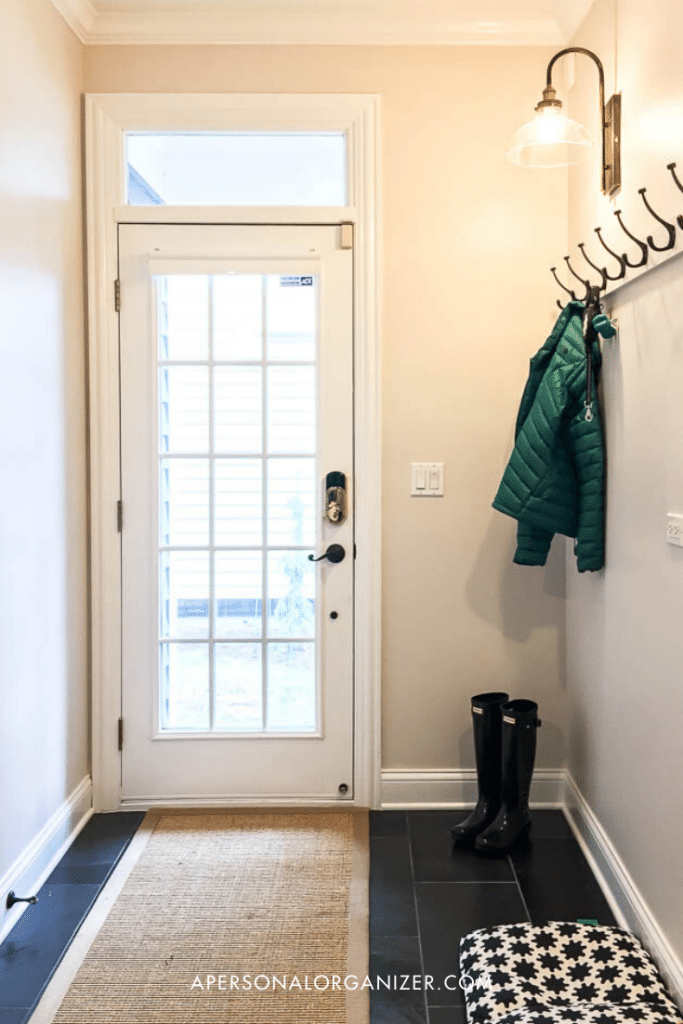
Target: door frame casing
[107,118]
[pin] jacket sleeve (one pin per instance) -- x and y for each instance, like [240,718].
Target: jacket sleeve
[533,544]
[586,445]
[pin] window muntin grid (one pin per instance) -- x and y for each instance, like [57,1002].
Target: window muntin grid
[237,501]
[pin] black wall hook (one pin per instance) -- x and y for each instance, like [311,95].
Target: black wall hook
[669,227]
[582,247]
[672,168]
[679,184]
[562,286]
[622,265]
[644,251]
[584,282]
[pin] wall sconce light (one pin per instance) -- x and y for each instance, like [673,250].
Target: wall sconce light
[553,140]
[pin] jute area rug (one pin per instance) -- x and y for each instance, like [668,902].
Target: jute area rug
[245,917]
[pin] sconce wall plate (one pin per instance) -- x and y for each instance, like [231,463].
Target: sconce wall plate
[612,131]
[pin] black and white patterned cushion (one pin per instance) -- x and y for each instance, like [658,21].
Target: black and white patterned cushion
[592,1013]
[524,967]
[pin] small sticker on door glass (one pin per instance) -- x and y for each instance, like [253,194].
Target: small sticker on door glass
[295,282]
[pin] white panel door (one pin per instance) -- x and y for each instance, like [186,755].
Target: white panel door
[236,403]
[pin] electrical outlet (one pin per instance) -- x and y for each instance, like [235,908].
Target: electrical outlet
[674,529]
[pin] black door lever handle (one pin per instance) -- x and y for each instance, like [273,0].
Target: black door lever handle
[335,553]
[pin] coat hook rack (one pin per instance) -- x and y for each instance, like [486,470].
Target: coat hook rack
[584,282]
[669,227]
[622,265]
[644,251]
[679,184]
[624,260]
[603,284]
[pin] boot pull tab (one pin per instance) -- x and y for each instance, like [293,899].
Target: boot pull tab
[539,723]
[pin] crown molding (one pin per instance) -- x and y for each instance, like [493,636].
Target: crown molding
[80,16]
[272,24]
[377,22]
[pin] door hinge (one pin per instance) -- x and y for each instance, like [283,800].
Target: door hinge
[117,296]
[120,734]
[347,235]
[119,515]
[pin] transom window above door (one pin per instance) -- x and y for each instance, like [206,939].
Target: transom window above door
[236,169]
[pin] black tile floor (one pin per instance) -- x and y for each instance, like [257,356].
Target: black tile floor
[33,949]
[425,895]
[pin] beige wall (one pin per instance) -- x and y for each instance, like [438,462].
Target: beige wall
[625,642]
[467,240]
[43,604]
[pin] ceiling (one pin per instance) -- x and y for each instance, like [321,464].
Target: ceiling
[392,22]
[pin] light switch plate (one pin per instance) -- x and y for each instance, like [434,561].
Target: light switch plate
[426,480]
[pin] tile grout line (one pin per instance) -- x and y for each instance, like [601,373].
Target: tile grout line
[519,887]
[469,881]
[417,916]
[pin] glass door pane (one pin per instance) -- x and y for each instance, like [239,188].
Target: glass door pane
[237,406]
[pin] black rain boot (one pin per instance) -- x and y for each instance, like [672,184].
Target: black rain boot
[520,722]
[487,728]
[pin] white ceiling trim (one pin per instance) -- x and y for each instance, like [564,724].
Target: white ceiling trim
[80,16]
[268,25]
[310,22]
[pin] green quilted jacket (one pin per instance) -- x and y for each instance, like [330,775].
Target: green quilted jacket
[554,481]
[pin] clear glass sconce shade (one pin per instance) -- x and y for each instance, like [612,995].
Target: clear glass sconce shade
[550,140]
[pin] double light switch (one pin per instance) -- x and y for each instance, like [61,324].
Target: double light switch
[427,479]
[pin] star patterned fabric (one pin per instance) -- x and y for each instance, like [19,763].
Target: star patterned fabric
[591,1013]
[562,973]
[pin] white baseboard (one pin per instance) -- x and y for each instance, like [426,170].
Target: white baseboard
[421,790]
[621,891]
[35,863]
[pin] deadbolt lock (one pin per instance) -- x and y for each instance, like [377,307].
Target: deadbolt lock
[335,497]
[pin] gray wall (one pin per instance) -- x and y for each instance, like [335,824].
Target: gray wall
[624,635]
[43,542]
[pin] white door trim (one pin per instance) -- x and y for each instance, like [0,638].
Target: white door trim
[107,118]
